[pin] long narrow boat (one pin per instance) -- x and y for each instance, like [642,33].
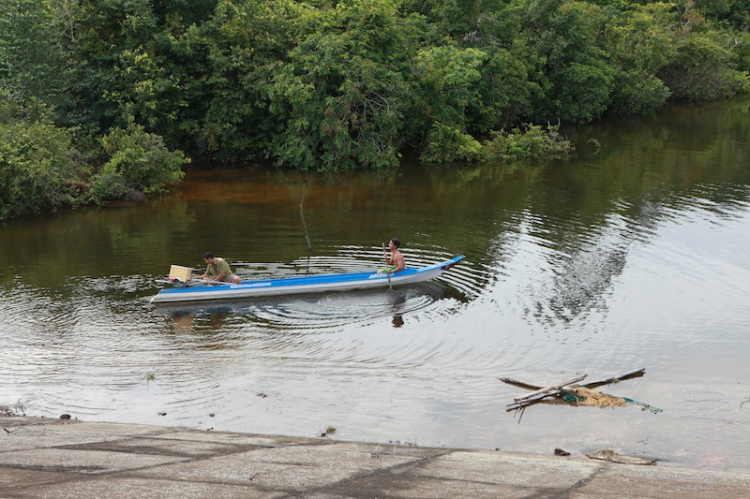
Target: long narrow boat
[301,285]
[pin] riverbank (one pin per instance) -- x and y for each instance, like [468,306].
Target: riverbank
[69,458]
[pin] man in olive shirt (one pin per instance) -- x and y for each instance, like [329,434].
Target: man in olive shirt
[218,270]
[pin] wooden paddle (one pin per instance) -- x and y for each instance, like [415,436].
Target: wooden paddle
[390,286]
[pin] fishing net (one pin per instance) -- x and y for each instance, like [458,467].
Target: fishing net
[580,395]
[589,397]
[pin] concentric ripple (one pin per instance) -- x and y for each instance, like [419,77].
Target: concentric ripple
[337,309]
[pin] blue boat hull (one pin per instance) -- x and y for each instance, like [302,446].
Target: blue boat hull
[301,285]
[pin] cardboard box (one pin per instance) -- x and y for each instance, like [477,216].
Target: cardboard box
[181,273]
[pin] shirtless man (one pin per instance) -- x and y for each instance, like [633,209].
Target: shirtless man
[396,261]
[218,270]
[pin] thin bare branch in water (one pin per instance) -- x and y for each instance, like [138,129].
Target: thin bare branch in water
[302,215]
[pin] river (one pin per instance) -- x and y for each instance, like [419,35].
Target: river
[634,254]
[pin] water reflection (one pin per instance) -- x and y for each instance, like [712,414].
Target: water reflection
[316,312]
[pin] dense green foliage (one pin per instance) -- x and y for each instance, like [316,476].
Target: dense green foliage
[37,162]
[138,163]
[333,85]
[532,142]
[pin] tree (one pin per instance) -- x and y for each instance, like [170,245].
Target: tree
[343,95]
[506,92]
[575,73]
[32,60]
[642,42]
[115,78]
[702,69]
[224,67]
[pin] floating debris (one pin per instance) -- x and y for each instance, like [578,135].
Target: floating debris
[578,394]
[581,395]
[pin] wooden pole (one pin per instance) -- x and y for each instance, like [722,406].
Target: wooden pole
[635,373]
[302,215]
[390,286]
[552,388]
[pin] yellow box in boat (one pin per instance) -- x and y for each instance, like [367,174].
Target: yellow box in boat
[181,273]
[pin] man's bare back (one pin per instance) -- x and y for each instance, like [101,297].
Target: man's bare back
[396,261]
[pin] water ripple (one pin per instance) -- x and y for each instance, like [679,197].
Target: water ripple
[334,310]
[554,284]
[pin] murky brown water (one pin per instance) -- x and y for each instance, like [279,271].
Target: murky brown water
[632,255]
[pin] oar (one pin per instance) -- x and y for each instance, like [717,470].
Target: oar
[390,286]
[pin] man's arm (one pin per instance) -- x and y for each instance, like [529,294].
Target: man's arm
[203,275]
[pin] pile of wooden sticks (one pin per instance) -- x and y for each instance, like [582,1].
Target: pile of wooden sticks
[542,392]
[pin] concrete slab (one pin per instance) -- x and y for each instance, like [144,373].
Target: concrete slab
[165,447]
[666,483]
[517,470]
[79,461]
[72,426]
[407,486]
[655,488]
[19,437]
[680,475]
[228,438]
[128,488]
[115,429]
[294,468]
[10,477]
[287,477]
[114,460]
[346,455]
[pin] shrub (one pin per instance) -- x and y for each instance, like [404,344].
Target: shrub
[37,162]
[446,144]
[531,143]
[139,162]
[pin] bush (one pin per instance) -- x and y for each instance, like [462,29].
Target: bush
[37,162]
[531,143]
[446,144]
[139,162]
